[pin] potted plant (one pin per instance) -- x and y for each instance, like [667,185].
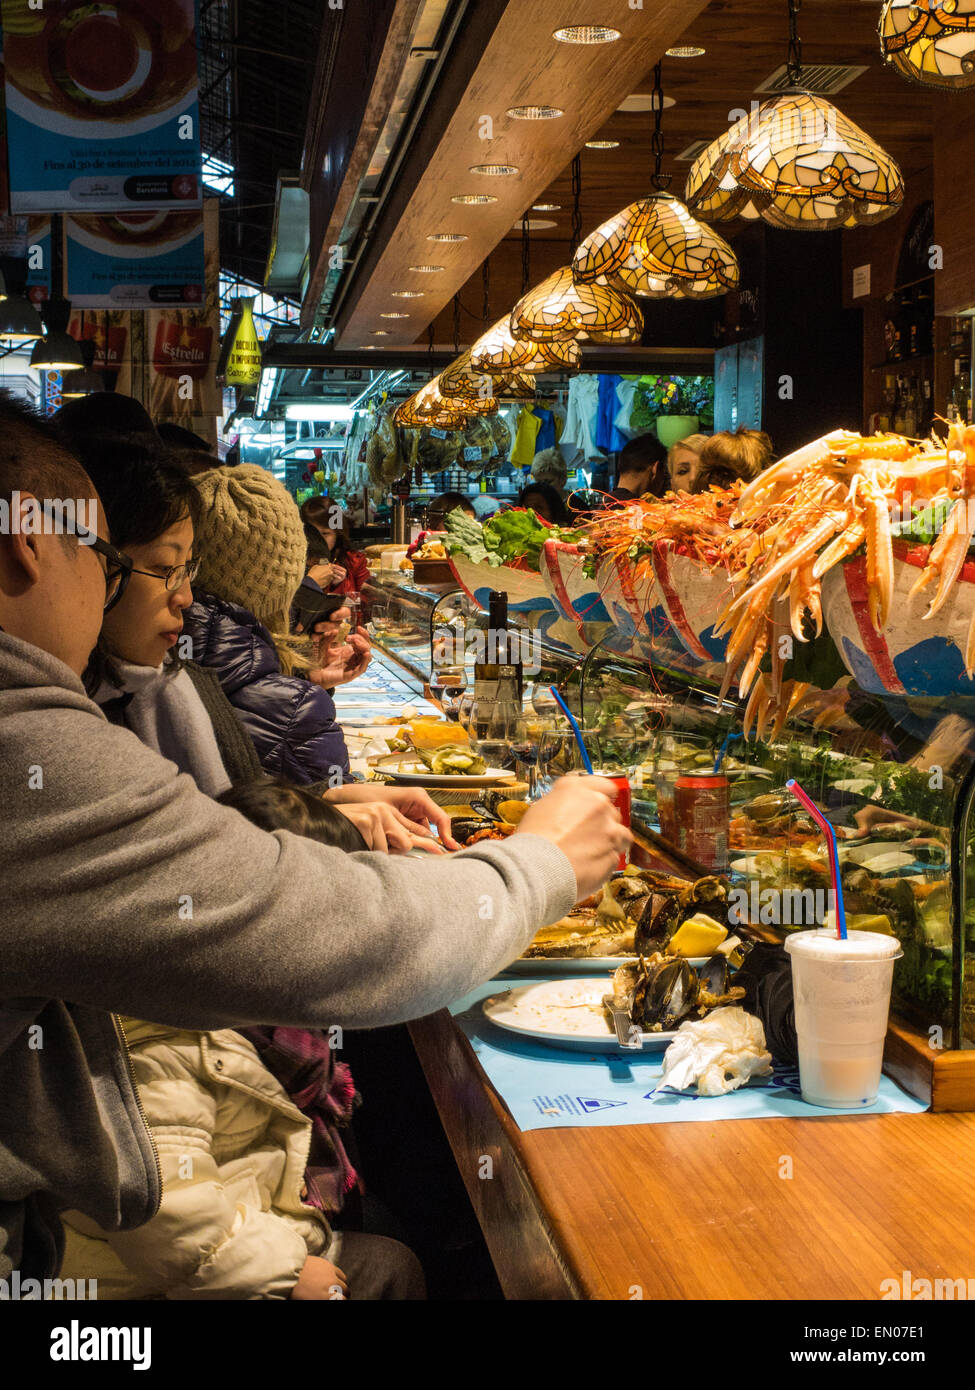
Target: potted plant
[681,403]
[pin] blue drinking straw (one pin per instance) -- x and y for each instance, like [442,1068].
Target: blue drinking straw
[834,857]
[575,729]
[722,751]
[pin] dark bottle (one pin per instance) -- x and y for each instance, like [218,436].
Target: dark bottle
[498,679]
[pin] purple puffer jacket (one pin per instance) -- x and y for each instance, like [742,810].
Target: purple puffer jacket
[291,722]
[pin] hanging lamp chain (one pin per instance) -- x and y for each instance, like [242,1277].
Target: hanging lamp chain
[456,323]
[658,179]
[794,66]
[576,232]
[486,284]
[526,255]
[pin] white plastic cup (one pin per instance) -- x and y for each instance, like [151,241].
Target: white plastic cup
[842,996]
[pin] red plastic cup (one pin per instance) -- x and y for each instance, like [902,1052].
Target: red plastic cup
[623,804]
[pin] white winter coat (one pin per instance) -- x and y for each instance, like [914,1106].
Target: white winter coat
[233,1151]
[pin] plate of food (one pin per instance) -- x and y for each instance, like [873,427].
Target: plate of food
[564,1013]
[449,766]
[657,995]
[637,912]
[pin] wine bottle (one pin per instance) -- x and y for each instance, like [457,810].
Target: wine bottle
[498,680]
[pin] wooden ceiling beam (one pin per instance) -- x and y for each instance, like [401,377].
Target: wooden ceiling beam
[520,63]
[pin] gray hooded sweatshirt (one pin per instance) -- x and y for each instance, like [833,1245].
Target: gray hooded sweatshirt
[126,890]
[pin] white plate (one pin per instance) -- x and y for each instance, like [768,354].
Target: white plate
[564,1013]
[410,770]
[577,965]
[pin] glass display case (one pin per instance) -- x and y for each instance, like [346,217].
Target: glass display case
[414,624]
[895,777]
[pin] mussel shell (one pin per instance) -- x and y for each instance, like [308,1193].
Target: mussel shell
[660,919]
[714,974]
[665,993]
[462,827]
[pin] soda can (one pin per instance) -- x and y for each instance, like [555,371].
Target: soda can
[702,816]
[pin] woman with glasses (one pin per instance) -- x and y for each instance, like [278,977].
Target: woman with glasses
[137,673]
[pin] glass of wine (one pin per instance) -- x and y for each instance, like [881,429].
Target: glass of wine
[447,685]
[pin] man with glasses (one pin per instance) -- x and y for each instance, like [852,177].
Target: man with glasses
[126,890]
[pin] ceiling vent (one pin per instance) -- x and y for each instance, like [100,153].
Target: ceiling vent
[823,79]
[693,150]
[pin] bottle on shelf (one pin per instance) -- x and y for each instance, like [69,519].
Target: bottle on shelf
[911,409]
[900,404]
[892,332]
[499,677]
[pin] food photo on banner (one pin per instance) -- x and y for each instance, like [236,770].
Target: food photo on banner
[102,105]
[135,259]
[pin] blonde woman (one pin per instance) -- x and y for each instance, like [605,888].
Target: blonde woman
[684,463]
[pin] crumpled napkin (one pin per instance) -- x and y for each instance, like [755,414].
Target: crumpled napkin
[720,1052]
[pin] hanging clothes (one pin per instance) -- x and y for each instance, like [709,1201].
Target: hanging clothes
[608,437]
[526,437]
[579,434]
[627,393]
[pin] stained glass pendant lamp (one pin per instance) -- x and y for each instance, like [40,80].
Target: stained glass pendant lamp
[498,350]
[459,382]
[797,162]
[560,309]
[654,247]
[930,41]
[427,407]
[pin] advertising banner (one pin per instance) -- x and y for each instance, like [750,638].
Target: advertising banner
[102,105]
[183,346]
[135,260]
[109,331]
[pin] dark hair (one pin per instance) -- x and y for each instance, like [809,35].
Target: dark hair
[320,513]
[646,451]
[556,504]
[447,501]
[103,413]
[143,490]
[33,459]
[193,462]
[176,437]
[275,804]
[318,551]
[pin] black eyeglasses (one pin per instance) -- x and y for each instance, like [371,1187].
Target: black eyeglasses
[176,576]
[118,565]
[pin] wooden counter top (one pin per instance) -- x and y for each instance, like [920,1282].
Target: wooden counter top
[706,1211]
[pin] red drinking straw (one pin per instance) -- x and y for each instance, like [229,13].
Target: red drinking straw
[834,858]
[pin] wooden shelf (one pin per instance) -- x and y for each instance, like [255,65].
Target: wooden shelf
[904,362]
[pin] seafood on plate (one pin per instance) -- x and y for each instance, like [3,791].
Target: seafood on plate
[605,924]
[659,992]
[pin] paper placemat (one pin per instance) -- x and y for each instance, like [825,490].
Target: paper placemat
[551,1088]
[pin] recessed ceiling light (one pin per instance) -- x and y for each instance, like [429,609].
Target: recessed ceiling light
[495,170]
[426,269]
[546,207]
[535,113]
[472,198]
[602,144]
[535,224]
[643,101]
[380,332]
[687,50]
[586,33]
[408,294]
[394,316]
[447,236]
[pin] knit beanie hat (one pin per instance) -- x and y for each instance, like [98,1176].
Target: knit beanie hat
[250,540]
